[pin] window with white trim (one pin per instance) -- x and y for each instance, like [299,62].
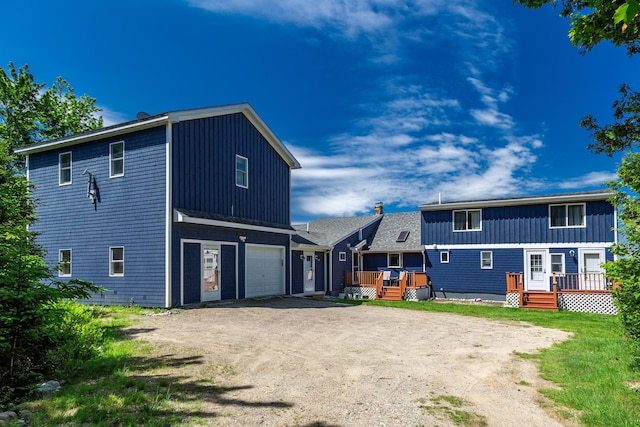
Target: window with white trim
[468,220]
[486,260]
[64,266]
[64,168]
[242,171]
[342,256]
[561,216]
[394,260]
[116,261]
[116,159]
[444,257]
[557,263]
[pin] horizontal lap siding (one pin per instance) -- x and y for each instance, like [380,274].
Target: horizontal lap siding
[463,272]
[519,224]
[130,213]
[204,159]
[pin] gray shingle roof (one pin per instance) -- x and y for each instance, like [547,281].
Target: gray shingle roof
[390,228]
[329,231]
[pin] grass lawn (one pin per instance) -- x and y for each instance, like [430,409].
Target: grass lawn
[598,386]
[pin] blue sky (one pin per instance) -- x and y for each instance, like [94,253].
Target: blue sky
[397,101]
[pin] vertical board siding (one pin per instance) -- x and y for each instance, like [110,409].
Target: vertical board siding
[192,273]
[204,156]
[320,268]
[297,284]
[130,212]
[463,272]
[519,224]
[229,239]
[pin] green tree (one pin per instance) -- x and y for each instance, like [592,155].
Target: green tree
[30,112]
[594,21]
[29,296]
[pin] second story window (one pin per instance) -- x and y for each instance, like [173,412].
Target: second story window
[64,269]
[64,168]
[469,220]
[116,159]
[566,215]
[242,172]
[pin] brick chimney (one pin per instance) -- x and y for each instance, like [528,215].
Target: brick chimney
[378,208]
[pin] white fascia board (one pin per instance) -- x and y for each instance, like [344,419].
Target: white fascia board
[521,201]
[303,247]
[520,246]
[251,115]
[81,138]
[181,217]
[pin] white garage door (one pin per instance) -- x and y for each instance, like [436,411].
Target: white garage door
[264,271]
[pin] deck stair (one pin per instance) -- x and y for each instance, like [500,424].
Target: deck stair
[539,300]
[391,293]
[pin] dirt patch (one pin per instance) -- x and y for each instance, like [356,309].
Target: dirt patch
[301,362]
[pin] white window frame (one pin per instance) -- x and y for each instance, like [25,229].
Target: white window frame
[398,264]
[342,256]
[61,273]
[466,224]
[444,259]
[112,160]
[566,215]
[244,173]
[562,257]
[60,168]
[487,267]
[112,261]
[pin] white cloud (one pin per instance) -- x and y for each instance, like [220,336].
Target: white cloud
[591,179]
[111,117]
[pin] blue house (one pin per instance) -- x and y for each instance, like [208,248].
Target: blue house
[561,239]
[171,209]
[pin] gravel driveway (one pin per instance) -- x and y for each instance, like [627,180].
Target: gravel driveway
[302,362]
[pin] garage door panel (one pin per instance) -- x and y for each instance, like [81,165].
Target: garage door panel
[264,271]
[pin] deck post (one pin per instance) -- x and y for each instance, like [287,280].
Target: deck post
[521,289]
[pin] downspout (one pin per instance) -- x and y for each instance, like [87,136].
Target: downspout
[330,270]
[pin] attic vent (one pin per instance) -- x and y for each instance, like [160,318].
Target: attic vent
[402,237]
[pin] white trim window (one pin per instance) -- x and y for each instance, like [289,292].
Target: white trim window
[567,216]
[444,257]
[65,165]
[486,260]
[116,261]
[467,220]
[64,266]
[394,259]
[342,256]
[242,171]
[557,263]
[116,159]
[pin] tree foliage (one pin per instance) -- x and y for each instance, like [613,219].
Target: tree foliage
[31,112]
[30,317]
[595,21]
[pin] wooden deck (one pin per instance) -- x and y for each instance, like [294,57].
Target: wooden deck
[584,283]
[387,287]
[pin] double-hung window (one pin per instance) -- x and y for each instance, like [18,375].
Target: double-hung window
[116,159]
[242,171]
[557,263]
[64,168]
[468,220]
[486,260]
[64,268]
[567,215]
[116,261]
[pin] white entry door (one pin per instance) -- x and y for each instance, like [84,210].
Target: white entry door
[210,273]
[590,266]
[536,270]
[309,272]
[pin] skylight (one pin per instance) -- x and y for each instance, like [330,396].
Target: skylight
[402,237]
